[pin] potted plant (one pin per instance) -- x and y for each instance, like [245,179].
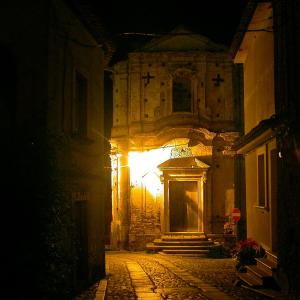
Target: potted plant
[245,252]
[228,228]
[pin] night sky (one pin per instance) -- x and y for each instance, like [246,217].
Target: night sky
[218,20]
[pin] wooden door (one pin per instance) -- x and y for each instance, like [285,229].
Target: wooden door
[183,201]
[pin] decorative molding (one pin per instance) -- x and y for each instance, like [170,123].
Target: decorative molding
[177,152]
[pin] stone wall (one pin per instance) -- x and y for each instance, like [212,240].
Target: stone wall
[53,171]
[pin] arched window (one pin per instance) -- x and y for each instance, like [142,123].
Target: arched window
[182,98]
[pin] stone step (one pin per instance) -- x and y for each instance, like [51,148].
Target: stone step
[250,279]
[196,233]
[152,247]
[180,247]
[184,254]
[269,293]
[267,265]
[183,238]
[182,242]
[272,256]
[261,273]
[156,247]
[267,280]
[186,251]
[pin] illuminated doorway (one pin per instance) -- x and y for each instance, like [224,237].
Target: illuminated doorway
[184,201]
[184,206]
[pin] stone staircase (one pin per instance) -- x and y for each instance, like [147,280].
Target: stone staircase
[260,277]
[184,243]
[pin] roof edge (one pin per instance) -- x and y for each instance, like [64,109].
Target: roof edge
[182,30]
[242,27]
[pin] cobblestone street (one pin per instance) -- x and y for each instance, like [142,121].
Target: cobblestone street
[138,275]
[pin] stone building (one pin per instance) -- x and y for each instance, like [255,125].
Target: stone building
[52,57]
[175,116]
[267,44]
[256,53]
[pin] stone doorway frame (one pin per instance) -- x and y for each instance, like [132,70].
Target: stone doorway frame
[184,169]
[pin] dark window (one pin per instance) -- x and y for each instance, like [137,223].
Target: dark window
[181,94]
[80,106]
[261,180]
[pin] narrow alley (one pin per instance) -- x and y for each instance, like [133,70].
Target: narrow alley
[138,275]
[150,150]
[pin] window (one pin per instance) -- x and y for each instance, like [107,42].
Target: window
[80,106]
[182,94]
[266,174]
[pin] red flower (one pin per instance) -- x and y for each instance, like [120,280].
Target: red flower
[242,245]
[245,253]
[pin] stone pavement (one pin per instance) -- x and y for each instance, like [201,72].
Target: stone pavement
[138,275]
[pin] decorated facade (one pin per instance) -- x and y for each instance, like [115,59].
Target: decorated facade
[175,119]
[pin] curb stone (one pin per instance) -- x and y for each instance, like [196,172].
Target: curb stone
[101,290]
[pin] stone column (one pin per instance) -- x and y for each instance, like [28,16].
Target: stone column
[115,222]
[120,197]
[124,196]
[166,209]
[201,205]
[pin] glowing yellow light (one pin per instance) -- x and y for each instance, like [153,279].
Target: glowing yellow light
[143,168]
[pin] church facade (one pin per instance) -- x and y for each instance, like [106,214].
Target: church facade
[175,118]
